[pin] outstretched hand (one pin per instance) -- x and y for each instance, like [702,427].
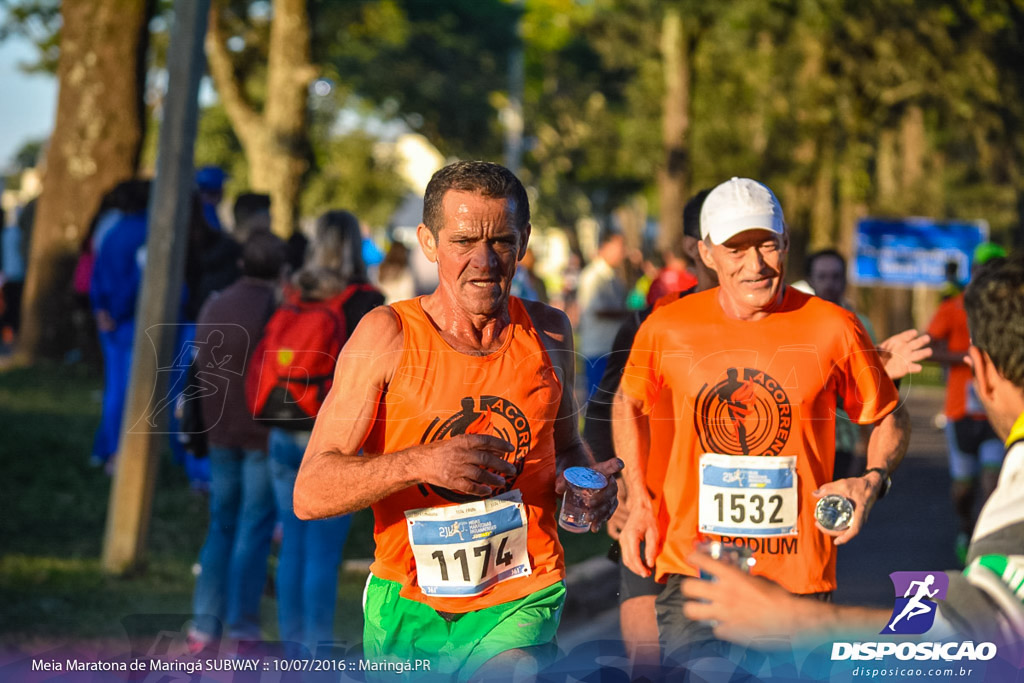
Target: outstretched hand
[901,353]
[742,608]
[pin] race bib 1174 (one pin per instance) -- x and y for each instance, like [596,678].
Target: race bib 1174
[462,550]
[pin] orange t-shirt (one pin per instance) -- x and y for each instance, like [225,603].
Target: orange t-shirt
[950,324]
[437,393]
[785,371]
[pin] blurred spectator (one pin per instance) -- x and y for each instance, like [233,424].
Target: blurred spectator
[212,262]
[298,245]
[674,277]
[952,285]
[15,247]
[826,277]
[210,181]
[394,276]
[565,298]
[114,289]
[307,572]
[12,269]
[233,561]
[974,448]
[106,216]
[602,301]
[527,284]
[372,255]
[251,212]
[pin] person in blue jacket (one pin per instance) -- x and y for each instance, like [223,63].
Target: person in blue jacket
[113,291]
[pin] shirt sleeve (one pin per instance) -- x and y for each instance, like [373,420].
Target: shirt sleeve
[642,379]
[867,393]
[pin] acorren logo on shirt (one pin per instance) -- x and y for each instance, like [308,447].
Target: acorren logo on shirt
[747,412]
[493,415]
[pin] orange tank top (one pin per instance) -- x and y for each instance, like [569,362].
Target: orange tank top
[438,393]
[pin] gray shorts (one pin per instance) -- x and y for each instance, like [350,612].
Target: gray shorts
[683,639]
[632,585]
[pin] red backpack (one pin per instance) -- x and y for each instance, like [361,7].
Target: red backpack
[293,365]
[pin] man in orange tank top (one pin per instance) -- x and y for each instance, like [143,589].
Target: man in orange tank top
[749,372]
[453,416]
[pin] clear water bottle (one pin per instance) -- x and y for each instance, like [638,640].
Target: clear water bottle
[834,512]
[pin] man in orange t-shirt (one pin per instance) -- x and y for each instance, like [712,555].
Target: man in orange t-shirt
[973,445]
[751,371]
[453,416]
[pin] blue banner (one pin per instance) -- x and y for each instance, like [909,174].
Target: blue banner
[914,251]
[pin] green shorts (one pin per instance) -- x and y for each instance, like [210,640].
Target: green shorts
[398,630]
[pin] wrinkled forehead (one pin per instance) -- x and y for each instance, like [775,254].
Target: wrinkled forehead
[754,237]
[465,209]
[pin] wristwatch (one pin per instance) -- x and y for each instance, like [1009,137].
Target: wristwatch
[886,481]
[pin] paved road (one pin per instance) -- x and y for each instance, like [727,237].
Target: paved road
[912,529]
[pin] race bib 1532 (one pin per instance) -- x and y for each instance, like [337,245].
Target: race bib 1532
[743,495]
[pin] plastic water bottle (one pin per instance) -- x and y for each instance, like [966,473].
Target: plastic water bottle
[834,512]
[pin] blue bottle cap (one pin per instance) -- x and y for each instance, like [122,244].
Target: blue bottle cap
[585,478]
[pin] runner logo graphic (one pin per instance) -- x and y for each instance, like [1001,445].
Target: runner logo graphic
[917,596]
[747,412]
[492,415]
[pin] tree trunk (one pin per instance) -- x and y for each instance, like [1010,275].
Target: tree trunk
[913,146]
[823,209]
[274,140]
[673,175]
[885,170]
[96,142]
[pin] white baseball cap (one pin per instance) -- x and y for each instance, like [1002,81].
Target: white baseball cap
[740,204]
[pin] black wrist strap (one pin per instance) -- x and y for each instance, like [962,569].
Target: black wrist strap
[885,480]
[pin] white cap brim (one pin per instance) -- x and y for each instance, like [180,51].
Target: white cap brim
[723,231]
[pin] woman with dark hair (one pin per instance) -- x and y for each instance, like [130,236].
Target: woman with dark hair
[307,572]
[394,275]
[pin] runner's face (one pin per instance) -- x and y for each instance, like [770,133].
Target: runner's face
[477,250]
[828,278]
[750,267]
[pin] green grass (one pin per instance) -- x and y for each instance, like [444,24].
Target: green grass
[931,375]
[54,510]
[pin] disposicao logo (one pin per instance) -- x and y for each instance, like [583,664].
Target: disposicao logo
[917,596]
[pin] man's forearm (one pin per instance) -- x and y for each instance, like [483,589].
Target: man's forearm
[333,483]
[817,621]
[889,440]
[942,354]
[631,437]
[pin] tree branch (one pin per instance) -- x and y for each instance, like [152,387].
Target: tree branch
[246,121]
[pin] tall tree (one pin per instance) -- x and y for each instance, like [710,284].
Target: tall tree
[95,144]
[673,175]
[441,67]
[273,132]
